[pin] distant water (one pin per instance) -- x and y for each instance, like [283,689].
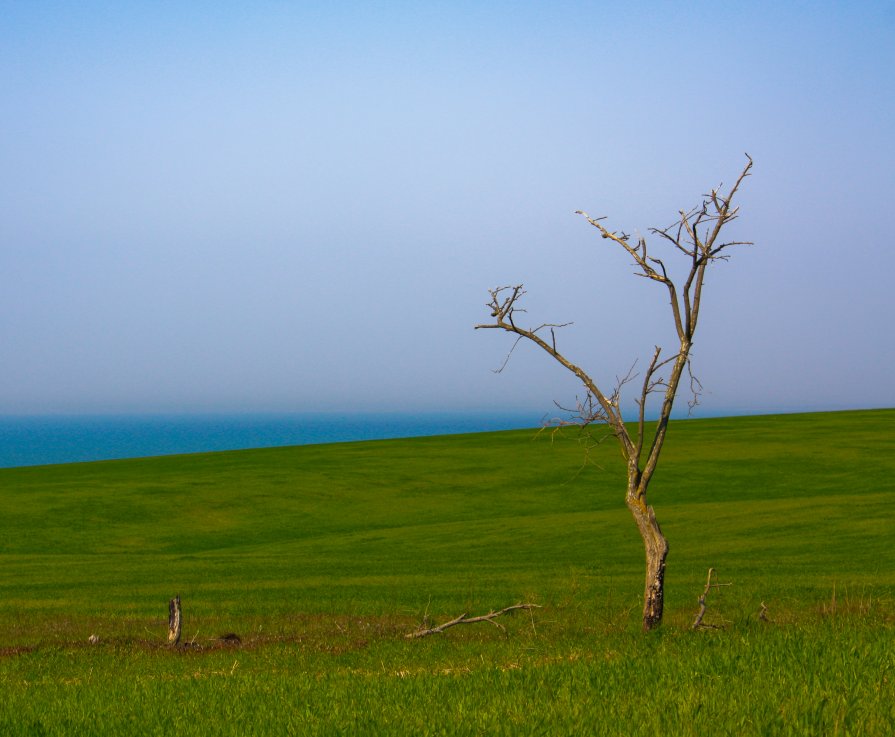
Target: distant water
[33,441]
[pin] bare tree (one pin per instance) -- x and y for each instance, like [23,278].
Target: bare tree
[695,237]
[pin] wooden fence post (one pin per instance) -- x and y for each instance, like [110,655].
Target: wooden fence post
[174,621]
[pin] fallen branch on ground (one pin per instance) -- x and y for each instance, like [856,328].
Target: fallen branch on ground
[697,622]
[464,619]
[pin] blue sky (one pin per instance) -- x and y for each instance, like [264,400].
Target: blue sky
[276,206]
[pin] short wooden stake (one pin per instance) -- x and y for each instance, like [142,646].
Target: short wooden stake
[175,621]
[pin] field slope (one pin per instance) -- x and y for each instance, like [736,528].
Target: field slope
[321,557]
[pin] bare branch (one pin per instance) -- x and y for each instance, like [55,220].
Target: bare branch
[695,389]
[586,412]
[502,306]
[464,619]
[585,436]
[697,622]
[506,359]
[720,248]
[661,266]
[622,240]
[724,214]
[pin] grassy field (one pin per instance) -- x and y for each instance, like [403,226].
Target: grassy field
[322,557]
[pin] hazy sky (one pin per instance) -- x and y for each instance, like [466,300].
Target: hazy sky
[300,206]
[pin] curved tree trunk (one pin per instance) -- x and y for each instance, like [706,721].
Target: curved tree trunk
[656,547]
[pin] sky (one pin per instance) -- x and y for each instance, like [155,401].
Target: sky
[287,207]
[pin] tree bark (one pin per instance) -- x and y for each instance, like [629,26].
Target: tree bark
[656,548]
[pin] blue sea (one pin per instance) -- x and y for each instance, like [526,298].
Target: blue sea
[33,441]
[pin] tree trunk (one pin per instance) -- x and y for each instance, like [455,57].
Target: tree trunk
[656,548]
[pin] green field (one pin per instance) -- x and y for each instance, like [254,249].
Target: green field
[320,558]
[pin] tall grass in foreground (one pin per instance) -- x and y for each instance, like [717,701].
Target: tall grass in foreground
[833,677]
[322,557]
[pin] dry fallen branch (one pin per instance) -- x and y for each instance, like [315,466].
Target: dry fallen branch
[464,619]
[697,622]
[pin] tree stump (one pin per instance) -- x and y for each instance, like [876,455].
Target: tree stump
[174,621]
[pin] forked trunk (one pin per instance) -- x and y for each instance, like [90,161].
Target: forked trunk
[656,548]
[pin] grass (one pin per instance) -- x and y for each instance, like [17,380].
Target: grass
[322,557]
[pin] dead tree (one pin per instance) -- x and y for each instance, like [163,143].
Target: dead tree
[696,238]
